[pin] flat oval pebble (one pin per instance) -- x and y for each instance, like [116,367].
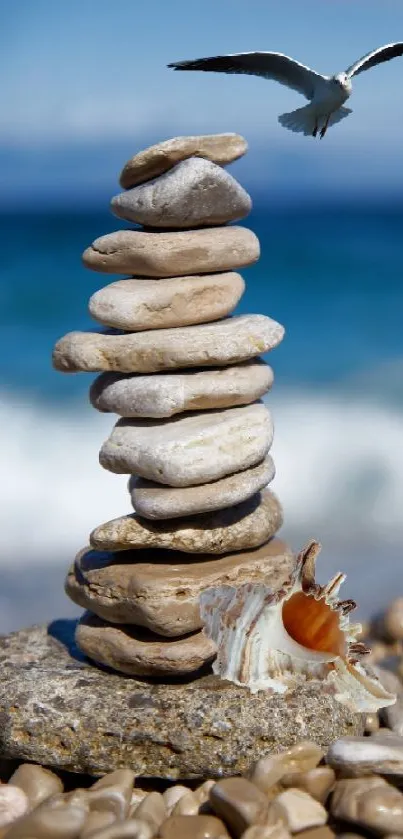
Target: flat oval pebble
[166,394]
[152,809]
[196,827]
[138,652]
[172,254]
[371,803]
[367,756]
[239,804]
[194,193]
[301,758]
[299,810]
[241,527]
[225,342]
[135,305]
[153,501]
[317,782]
[191,449]
[59,817]
[13,804]
[153,161]
[37,783]
[160,590]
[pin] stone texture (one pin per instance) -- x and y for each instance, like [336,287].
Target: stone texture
[369,802]
[239,803]
[153,501]
[367,755]
[195,192]
[135,305]
[139,652]
[165,394]
[197,827]
[299,810]
[13,804]
[177,253]
[226,342]
[37,783]
[60,817]
[160,590]
[58,710]
[245,526]
[152,810]
[298,759]
[317,782]
[190,449]
[153,161]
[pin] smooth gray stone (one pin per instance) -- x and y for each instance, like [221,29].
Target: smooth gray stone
[194,193]
[96,721]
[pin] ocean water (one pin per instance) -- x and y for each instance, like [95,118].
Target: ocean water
[333,277]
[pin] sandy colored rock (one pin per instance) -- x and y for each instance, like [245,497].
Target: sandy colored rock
[153,501]
[96,822]
[226,342]
[157,304]
[165,394]
[177,253]
[371,803]
[193,193]
[188,805]
[190,449]
[299,810]
[152,809]
[160,590]
[97,721]
[153,161]
[113,793]
[37,783]
[172,795]
[267,831]
[239,803]
[245,526]
[59,817]
[317,782]
[301,758]
[324,832]
[13,804]
[139,652]
[357,756]
[196,827]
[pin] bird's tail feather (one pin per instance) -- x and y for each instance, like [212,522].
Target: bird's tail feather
[303,120]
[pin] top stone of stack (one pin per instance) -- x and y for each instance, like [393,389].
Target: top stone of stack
[154,161]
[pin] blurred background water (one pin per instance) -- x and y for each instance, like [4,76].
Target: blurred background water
[84,92]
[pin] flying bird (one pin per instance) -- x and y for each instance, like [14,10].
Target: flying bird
[327,94]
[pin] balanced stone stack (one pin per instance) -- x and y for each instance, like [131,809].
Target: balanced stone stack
[186,379]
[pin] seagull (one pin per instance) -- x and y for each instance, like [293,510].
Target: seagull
[327,94]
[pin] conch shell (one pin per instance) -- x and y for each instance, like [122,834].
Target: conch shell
[271,640]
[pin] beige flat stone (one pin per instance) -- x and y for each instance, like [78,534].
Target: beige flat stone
[194,193]
[138,652]
[244,526]
[190,449]
[160,590]
[299,810]
[165,394]
[153,501]
[371,803]
[134,304]
[195,826]
[153,161]
[354,756]
[317,782]
[37,783]
[239,804]
[225,342]
[173,254]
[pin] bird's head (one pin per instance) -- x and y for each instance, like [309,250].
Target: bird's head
[343,81]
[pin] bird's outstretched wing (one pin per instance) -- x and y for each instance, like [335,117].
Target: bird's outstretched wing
[270,65]
[375,57]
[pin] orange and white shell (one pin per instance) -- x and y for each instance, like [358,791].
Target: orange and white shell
[270,640]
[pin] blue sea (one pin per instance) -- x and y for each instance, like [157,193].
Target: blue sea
[333,277]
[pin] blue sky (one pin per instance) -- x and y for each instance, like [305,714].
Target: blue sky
[85,85]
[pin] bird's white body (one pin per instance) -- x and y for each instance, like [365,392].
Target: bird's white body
[326,94]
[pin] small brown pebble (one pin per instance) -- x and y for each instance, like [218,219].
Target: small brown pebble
[130,829]
[152,809]
[324,832]
[113,793]
[97,820]
[369,802]
[13,803]
[37,783]
[298,810]
[267,771]
[393,620]
[267,831]
[239,803]
[136,797]
[188,805]
[203,791]
[317,782]
[172,795]
[371,723]
[196,827]
[59,817]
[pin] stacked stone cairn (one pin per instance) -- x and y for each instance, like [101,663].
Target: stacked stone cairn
[186,380]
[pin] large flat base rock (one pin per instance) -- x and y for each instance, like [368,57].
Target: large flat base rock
[59,710]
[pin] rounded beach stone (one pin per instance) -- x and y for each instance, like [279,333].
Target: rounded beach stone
[160,590]
[196,826]
[153,161]
[371,803]
[153,501]
[239,803]
[241,527]
[367,756]
[13,804]
[138,652]
[173,254]
[134,304]
[200,728]
[195,192]
[37,783]
[163,395]
[299,810]
[225,342]
[190,449]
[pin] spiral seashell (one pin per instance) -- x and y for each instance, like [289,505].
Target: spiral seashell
[272,640]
